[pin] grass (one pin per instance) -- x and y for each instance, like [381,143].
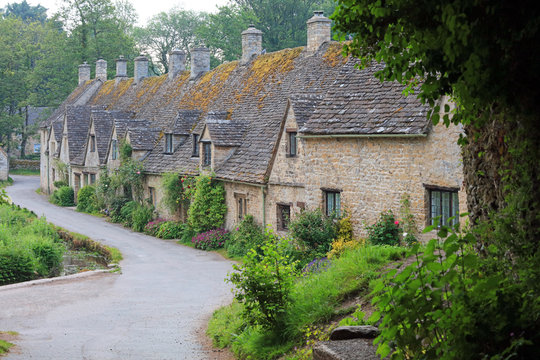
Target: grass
[27,172]
[315,299]
[5,345]
[5,183]
[116,255]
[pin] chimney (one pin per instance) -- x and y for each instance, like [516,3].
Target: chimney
[251,43]
[200,61]
[84,73]
[318,31]
[141,68]
[121,69]
[177,62]
[101,70]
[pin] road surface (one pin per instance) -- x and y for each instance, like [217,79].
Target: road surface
[153,310]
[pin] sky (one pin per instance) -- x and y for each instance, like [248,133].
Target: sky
[145,8]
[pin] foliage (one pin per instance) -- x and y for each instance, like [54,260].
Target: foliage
[16,265]
[263,284]
[130,177]
[211,240]
[126,213]
[115,209]
[171,230]
[314,231]
[60,183]
[125,150]
[385,231]
[153,226]
[187,235]
[357,318]
[452,304]
[208,208]
[140,216]
[106,191]
[408,223]
[248,235]
[64,196]
[316,265]
[86,199]
[177,190]
[344,240]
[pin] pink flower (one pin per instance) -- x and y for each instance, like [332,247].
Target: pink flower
[397,222]
[138,172]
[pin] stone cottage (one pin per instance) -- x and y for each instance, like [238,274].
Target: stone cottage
[295,129]
[4,165]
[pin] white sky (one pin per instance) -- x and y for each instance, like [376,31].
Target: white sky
[145,8]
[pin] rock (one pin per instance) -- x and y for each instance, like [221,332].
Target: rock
[354,332]
[356,349]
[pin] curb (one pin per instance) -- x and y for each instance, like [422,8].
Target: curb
[24,284]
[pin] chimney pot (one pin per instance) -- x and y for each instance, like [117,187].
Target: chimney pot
[318,30]
[251,43]
[141,68]
[177,62]
[84,73]
[101,70]
[200,61]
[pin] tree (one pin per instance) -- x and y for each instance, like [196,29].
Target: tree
[167,31]
[26,12]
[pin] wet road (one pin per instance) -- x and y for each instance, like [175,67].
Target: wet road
[153,310]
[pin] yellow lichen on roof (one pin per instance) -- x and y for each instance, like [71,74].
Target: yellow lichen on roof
[334,55]
[110,92]
[265,67]
[177,87]
[209,86]
[147,88]
[104,91]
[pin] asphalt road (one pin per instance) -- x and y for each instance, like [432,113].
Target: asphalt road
[153,310]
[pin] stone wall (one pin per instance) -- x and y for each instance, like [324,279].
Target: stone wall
[20,164]
[254,197]
[4,165]
[374,173]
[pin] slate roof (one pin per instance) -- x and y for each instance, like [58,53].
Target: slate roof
[362,105]
[244,106]
[78,123]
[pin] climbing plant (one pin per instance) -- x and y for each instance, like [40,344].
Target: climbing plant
[208,208]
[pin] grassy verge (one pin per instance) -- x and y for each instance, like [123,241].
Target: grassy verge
[5,345]
[316,299]
[5,183]
[23,172]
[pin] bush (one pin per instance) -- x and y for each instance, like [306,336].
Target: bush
[248,235]
[140,216]
[187,235]
[385,231]
[126,213]
[16,265]
[60,183]
[49,256]
[208,208]
[153,226]
[211,240]
[63,196]
[263,284]
[345,240]
[315,231]
[115,209]
[86,199]
[171,230]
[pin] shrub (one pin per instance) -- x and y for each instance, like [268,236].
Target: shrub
[171,230]
[86,199]
[176,189]
[385,231]
[248,235]
[263,284]
[208,208]
[210,240]
[408,222]
[49,256]
[60,183]
[126,213]
[115,209]
[315,231]
[140,216]
[345,240]
[63,196]
[187,235]
[16,265]
[153,226]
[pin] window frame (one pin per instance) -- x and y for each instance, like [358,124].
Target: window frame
[207,153]
[152,195]
[92,143]
[91,179]
[169,147]
[292,143]
[241,205]
[114,145]
[282,223]
[335,207]
[452,210]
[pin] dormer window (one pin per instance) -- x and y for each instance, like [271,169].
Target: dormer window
[168,143]
[92,143]
[114,154]
[291,144]
[207,153]
[195,145]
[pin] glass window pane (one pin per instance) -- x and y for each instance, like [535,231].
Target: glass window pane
[338,204]
[455,207]
[329,203]
[445,207]
[435,204]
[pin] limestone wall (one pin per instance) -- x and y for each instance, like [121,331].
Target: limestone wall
[4,165]
[254,196]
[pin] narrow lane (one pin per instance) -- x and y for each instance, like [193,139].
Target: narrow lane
[150,311]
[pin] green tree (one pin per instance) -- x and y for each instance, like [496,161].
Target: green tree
[26,12]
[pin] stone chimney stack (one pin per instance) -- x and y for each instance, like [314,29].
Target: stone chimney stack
[84,73]
[101,70]
[141,69]
[177,62]
[200,61]
[121,69]
[318,31]
[251,43]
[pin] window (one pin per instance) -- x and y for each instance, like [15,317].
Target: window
[114,154]
[291,144]
[92,179]
[283,216]
[444,203]
[332,201]
[195,145]
[92,143]
[152,195]
[168,143]
[37,148]
[53,148]
[207,149]
[241,205]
